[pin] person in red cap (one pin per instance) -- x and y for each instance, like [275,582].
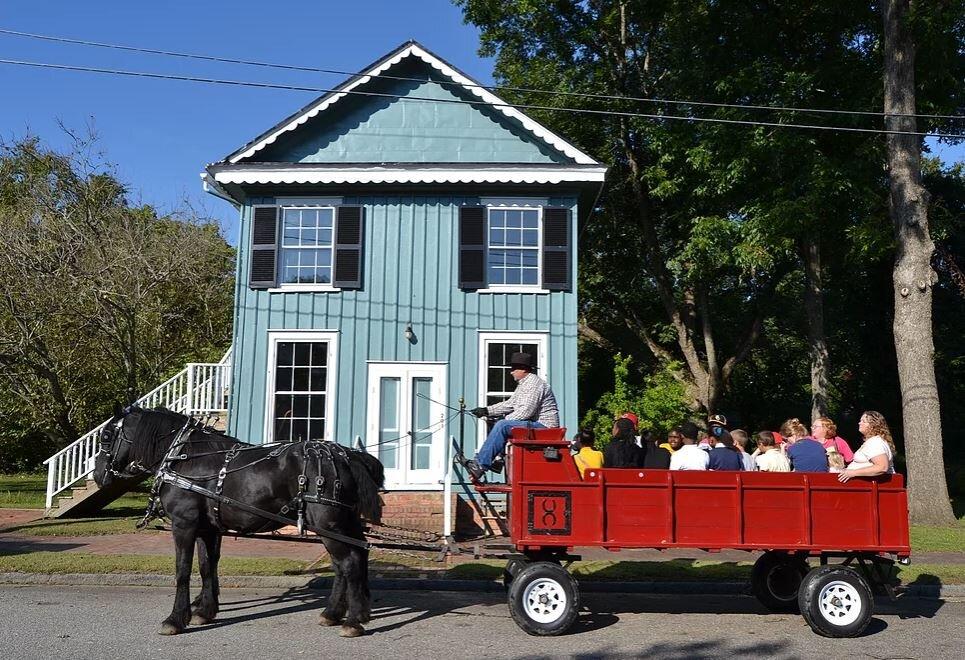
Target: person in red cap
[632,418]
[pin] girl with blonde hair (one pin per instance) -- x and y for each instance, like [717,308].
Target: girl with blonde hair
[877,453]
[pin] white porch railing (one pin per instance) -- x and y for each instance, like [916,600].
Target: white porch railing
[199,388]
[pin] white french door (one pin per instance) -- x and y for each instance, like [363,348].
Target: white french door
[405,425]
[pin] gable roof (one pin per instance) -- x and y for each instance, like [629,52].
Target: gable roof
[409,49]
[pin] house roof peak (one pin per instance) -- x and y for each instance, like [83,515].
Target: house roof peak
[409,48]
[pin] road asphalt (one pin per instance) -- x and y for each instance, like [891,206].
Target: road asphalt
[121,622]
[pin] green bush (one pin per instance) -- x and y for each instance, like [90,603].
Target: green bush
[23,451]
[659,401]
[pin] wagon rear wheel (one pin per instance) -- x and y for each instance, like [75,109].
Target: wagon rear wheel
[544,599]
[776,579]
[836,601]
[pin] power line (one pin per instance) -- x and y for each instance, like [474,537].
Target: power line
[609,97]
[613,113]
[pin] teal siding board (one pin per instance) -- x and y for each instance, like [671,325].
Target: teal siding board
[410,277]
[372,129]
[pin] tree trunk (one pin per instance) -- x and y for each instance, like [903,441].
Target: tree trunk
[817,342]
[913,277]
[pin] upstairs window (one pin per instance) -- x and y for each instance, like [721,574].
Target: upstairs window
[512,257]
[306,245]
[515,249]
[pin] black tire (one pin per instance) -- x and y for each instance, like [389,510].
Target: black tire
[544,599]
[776,580]
[836,601]
[513,567]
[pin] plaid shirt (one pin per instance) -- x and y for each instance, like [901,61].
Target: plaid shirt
[532,401]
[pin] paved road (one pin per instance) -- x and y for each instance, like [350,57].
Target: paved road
[120,622]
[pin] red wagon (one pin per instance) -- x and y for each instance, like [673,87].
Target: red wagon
[862,525]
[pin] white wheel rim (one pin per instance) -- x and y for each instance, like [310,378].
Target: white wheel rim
[544,600]
[840,603]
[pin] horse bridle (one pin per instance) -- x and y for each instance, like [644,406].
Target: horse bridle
[133,469]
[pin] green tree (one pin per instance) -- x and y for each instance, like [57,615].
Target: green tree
[101,298]
[659,401]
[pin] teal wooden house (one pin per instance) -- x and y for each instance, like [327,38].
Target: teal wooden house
[400,237]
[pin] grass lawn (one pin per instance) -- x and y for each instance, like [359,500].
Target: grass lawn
[675,570]
[102,525]
[29,491]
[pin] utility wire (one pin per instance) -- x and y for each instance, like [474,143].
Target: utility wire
[614,113]
[609,97]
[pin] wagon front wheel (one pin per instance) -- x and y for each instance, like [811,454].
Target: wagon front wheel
[836,601]
[544,599]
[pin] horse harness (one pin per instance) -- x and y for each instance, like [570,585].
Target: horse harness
[313,453]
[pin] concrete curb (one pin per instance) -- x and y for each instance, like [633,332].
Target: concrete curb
[402,584]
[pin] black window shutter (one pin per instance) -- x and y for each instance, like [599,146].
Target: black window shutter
[349,236]
[556,249]
[472,247]
[264,248]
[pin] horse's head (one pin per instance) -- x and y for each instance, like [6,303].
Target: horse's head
[134,441]
[115,450]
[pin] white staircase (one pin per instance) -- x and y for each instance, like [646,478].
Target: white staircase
[200,388]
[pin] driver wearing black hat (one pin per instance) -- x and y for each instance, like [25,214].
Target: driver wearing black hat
[532,405]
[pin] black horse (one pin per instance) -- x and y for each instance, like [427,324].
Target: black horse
[332,486]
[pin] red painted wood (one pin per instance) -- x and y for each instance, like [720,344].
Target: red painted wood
[552,507]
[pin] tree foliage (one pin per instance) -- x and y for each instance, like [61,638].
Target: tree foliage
[101,298]
[694,255]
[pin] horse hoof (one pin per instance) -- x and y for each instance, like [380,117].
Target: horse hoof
[352,631]
[168,629]
[200,620]
[324,620]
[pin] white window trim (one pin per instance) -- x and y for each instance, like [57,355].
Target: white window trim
[304,203]
[275,336]
[538,337]
[517,288]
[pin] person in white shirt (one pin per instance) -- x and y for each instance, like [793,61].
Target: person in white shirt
[689,456]
[876,454]
[768,456]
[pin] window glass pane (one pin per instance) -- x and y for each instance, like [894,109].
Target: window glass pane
[530,276]
[300,405]
[300,381]
[389,422]
[317,379]
[299,430]
[283,379]
[286,351]
[421,439]
[303,353]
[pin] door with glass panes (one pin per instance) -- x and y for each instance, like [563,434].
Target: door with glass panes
[406,427]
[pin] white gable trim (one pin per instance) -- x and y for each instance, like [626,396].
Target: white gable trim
[393,175]
[472,86]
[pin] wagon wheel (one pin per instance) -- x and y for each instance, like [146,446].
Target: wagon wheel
[544,599]
[836,601]
[776,579]
[513,567]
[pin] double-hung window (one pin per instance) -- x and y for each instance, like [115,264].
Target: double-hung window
[513,240]
[306,245]
[300,382]
[515,247]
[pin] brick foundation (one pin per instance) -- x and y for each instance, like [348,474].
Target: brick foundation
[423,510]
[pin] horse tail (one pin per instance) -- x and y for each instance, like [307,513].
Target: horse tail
[369,475]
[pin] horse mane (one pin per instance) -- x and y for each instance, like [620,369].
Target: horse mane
[369,475]
[156,428]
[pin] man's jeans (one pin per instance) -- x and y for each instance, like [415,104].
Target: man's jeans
[496,440]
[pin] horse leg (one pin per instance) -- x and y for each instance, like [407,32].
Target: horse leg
[354,569]
[366,613]
[205,606]
[335,610]
[184,537]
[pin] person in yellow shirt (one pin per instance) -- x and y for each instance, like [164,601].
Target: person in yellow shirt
[587,456]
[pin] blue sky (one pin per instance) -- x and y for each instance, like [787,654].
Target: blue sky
[160,134]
